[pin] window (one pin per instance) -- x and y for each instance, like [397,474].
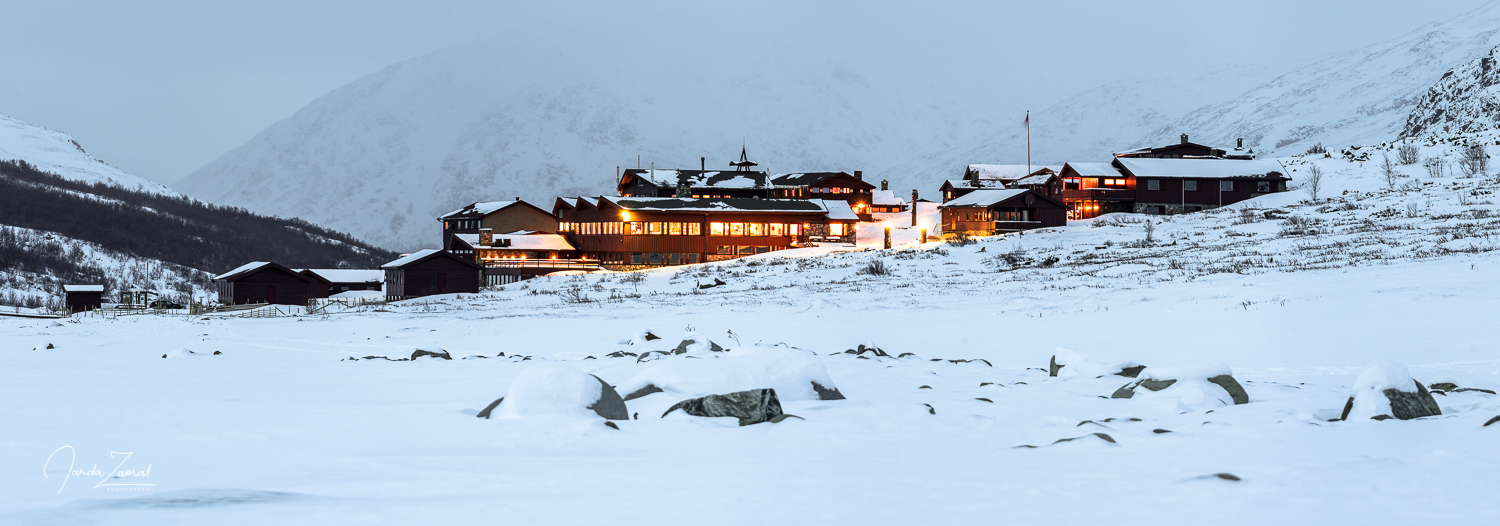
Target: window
[1153,184]
[1072,183]
[674,229]
[775,229]
[635,258]
[762,250]
[794,229]
[716,229]
[655,258]
[755,229]
[694,229]
[736,229]
[1263,186]
[835,229]
[1226,186]
[746,251]
[725,249]
[692,259]
[1190,185]
[672,259]
[655,228]
[636,228]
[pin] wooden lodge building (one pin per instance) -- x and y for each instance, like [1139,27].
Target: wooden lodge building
[266,282]
[429,272]
[496,216]
[627,233]
[989,212]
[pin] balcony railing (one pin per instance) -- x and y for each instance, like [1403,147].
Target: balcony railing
[1100,194]
[577,264]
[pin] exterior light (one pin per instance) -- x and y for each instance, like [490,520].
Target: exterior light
[624,215]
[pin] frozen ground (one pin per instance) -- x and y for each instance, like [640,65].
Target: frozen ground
[282,428]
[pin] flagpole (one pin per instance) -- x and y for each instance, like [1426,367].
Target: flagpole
[1028,142]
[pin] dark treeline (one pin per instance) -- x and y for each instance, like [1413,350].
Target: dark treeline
[176,230]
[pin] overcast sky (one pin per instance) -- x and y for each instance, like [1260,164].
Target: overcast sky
[160,88]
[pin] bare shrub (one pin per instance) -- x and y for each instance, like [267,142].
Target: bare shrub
[962,239]
[1388,171]
[876,267]
[574,295]
[1434,166]
[1408,154]
[1475,161]
[1317,148]
[1150,228]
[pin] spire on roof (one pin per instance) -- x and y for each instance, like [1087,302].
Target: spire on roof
[744,163]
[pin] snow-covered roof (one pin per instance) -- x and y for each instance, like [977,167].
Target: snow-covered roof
[242,268]
[521,241]
[984,198]
[839,210]
[1006,172]
[1032,179]
[344,275]
[804,178]
[1207,168]
[715,204]
[411,258]
[83,288]
[982,183]
[886,197]
[482,208]
[1095,169]
[703,178]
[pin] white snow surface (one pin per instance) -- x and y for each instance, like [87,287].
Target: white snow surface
[550,389]
[283,428]
[57,152]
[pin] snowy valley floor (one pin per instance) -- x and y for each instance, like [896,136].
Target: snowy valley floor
[283,428]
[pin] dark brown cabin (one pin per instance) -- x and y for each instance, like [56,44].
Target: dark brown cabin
[1181,150]
[430,272]
[851,189]
[83,298]
[697,184]
[497,216]
[265,282]
[990,212]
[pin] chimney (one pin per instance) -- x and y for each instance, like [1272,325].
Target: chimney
[1239,144]
[702,164]
[486,237]
[885,185]
[859,174]
[1184,138]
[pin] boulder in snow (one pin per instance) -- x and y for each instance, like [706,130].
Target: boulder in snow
[1068,362]
[750,407]
[556,389]
[1193,387]
[1387,389]
[795,374]
[438,353]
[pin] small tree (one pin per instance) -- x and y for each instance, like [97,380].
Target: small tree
[1434,166]
[1314,181]
[1408,154]
[1388,170]
[1150,229]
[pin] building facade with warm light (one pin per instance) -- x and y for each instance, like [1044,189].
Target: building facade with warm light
[990,212]
[627,233]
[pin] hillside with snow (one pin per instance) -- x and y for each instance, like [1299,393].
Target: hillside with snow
[56,152]
[1465,100]
[946,412]
[1357,97]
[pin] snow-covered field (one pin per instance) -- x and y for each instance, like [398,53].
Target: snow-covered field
[284,427]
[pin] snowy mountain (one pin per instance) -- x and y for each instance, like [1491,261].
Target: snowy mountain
[1465,100]
[1357,97]
[57,152]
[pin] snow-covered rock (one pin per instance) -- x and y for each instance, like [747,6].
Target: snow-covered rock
[1187,388]
[1068,362]
[554,389]
[1387,389]
[795,374]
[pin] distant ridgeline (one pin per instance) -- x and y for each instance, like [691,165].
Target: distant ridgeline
[174,230]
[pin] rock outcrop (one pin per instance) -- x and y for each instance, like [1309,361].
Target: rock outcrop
[750,407]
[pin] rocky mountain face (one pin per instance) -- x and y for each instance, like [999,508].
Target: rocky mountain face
[1356,97]
[1465,100]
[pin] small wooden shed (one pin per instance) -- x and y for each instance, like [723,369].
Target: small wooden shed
[264,282]
[430,271]
[83,298]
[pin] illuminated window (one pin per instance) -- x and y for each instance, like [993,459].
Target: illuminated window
[636,228]
[794,229]
[726,249]
[674,229]
[655,228]
[694,229]
[716,229]
[736,229]
[835,229]
[755,229]
[776,229]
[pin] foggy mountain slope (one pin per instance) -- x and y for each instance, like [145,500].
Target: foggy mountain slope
[1357,97]
[1465,100]
[57,152]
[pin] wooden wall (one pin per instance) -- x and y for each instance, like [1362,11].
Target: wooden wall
[423,278]
[291,289]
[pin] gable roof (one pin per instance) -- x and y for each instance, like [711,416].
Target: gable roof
[424,255]
[1204,168]
[722,179]
[983,198]
[969,183]
[1003,172]
[886,198]
[83,288]
[1094,169]
[257,266]
[484,208]
[839,210]
[1034,179]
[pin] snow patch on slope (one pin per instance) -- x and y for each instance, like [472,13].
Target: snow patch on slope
[57,152]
